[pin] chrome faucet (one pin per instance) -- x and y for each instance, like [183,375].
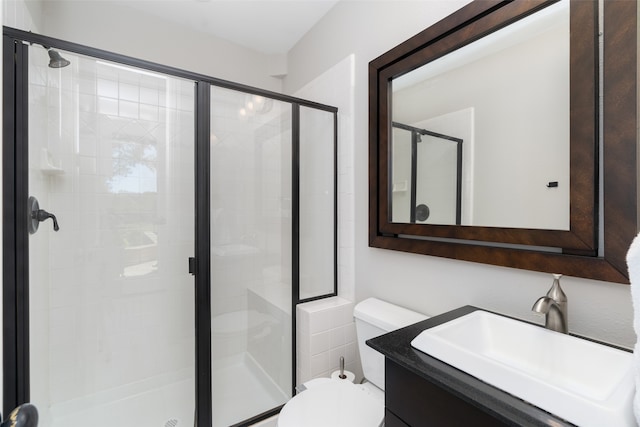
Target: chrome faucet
[554,307]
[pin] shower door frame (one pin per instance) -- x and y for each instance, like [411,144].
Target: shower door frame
[16,358]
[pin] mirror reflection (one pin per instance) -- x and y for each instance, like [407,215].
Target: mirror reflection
[481,135]
[427,167]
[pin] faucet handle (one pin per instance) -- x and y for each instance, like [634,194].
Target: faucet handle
[556,292]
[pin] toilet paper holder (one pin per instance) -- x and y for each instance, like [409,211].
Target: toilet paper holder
[342,376]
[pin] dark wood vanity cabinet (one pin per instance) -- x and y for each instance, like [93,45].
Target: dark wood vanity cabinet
[390,420]
[412,401]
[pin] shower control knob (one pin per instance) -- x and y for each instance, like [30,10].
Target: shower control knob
[37,215]
[42,215]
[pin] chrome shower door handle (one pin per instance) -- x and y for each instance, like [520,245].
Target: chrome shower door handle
[37,215]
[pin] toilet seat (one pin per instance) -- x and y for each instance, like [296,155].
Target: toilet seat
[333,403]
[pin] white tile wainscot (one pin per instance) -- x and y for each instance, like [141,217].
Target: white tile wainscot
[325,331]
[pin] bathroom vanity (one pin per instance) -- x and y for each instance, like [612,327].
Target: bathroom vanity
[424,391]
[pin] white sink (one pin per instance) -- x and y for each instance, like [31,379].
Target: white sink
[586,383]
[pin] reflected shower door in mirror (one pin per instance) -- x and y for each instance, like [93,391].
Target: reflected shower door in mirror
[507,96]
[427,176]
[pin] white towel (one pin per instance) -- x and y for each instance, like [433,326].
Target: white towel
[633,265]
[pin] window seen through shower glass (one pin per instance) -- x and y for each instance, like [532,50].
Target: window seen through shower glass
[251,220]
[111,153]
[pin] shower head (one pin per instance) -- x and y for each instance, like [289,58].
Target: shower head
[55,60]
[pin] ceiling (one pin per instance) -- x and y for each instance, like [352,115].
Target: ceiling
[267,26]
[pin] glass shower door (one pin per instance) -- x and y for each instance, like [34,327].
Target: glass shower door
[111,155]
[251,254]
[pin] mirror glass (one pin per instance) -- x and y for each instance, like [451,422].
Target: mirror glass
[480,136]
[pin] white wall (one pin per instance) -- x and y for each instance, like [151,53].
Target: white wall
[22,14]
[125,30]
[433,285]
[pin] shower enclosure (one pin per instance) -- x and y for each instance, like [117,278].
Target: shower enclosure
[427,174]
[189,228]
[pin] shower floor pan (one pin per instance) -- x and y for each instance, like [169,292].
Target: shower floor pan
[168,404]
[241,390]
[171,404]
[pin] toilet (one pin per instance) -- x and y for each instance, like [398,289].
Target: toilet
[339,403]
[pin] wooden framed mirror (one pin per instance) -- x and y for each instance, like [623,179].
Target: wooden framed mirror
[502,217]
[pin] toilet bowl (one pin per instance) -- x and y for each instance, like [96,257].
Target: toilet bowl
[335,403]
[338,403]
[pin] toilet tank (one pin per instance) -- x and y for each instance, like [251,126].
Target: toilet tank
[375,317]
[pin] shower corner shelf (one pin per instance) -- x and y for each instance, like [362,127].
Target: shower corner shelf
[401,186]
[52,171]
[47,165]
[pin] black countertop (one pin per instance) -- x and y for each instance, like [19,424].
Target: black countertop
[396,346]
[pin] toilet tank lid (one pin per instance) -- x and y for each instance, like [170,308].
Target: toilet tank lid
[386,316]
